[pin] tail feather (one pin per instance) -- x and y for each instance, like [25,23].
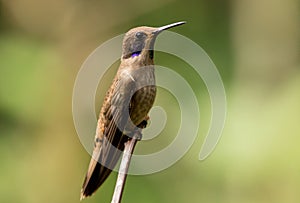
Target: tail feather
[98,173]
[97,177]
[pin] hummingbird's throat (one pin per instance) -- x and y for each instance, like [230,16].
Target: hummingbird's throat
[137,53]
[134,54]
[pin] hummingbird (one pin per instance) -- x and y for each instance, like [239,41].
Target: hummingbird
[126,104]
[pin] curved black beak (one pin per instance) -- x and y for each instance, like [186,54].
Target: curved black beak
[165,27]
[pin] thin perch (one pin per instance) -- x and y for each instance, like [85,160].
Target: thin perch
[128,150]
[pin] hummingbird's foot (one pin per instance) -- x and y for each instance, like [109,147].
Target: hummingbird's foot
[144,123]
[137,131]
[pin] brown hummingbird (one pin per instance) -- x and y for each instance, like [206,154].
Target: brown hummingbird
[126,104]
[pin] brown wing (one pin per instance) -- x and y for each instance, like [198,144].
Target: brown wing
[109,139]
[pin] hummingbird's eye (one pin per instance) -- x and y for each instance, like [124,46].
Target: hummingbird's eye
[140,35]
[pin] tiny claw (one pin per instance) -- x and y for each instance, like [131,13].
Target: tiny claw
[143,124]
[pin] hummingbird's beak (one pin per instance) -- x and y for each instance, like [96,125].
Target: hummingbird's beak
[160,29]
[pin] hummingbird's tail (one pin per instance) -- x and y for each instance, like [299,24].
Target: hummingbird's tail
[93,181]
[108,157]
[94,178]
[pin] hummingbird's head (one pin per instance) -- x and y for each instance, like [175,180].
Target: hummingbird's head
[139,42]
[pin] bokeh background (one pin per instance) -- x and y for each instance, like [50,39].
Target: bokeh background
[254,44]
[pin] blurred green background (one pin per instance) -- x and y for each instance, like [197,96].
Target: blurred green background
[254,44]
